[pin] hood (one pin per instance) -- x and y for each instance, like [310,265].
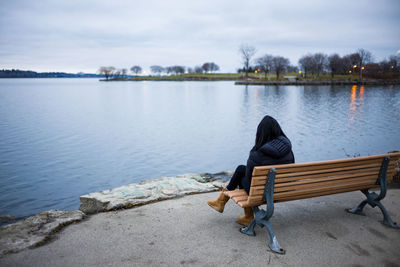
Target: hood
[276,148]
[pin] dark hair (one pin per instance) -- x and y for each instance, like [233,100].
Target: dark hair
[267,130]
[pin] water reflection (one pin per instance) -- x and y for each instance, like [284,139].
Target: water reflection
[356,103]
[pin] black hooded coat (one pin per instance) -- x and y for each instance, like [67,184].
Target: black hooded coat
[274,152]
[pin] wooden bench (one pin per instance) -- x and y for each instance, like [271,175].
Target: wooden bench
[287,182]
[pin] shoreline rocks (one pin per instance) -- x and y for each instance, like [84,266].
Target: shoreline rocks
[149,191]
[35,230]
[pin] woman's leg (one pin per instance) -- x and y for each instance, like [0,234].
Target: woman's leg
[237,177]
[235,181]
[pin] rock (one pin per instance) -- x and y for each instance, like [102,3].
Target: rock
[147,191]
[219,184]
[7,220]
[35,230]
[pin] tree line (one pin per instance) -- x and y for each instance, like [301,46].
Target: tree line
[15,73]
[310,65]
[360,62]
[112,72]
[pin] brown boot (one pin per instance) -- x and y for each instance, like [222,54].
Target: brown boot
[247,218]
[219,204]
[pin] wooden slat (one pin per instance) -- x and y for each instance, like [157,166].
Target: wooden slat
[322,193]
[332,170]
[341,176]
[290,168]
[310,180]
[288,176]
[316,176]
[370,179]
[254,191]
[259,180]
[263,170]
[257,200]
[325,187]
[259,191]
[243,204]
[240,198]
[233,193]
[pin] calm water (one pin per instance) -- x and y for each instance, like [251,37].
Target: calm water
[62,138]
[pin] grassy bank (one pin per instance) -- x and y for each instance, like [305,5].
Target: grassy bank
[186,77]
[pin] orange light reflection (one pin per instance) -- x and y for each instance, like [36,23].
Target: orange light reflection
[353,98]
[356,103]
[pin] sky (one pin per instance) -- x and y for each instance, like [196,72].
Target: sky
[80,36]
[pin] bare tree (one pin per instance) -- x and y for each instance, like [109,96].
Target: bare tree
[346,65]
[292,68]
[365,58]
[136,69]
[354,59]
[394,61]
[266,64]
[209,67]
[213,67]
[280,64]
[388,65]
[313,63]
[198,69]
[117,73]
[169,69]
[107,71]
[334,63]
[175,70]
[156,69]
[206,67]
[247,52]
[307,64]
[179,69]
[320,62]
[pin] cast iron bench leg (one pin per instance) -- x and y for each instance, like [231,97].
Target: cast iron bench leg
[261,217]
[373,199]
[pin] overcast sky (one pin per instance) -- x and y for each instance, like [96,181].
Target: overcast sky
[75,36]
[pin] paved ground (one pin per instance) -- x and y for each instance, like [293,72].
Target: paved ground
[185,231]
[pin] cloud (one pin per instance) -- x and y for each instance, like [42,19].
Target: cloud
[82,35]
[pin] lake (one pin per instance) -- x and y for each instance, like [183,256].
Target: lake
[63,138]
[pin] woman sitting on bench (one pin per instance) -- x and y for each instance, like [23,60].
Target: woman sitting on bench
[271,147]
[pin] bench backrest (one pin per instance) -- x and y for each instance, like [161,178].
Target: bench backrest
[305,180]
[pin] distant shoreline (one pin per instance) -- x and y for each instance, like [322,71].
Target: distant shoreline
[15,74]
[265,82]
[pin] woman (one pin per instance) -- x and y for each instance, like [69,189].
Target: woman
[271,147]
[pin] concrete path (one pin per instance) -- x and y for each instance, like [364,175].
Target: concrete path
[185,231]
